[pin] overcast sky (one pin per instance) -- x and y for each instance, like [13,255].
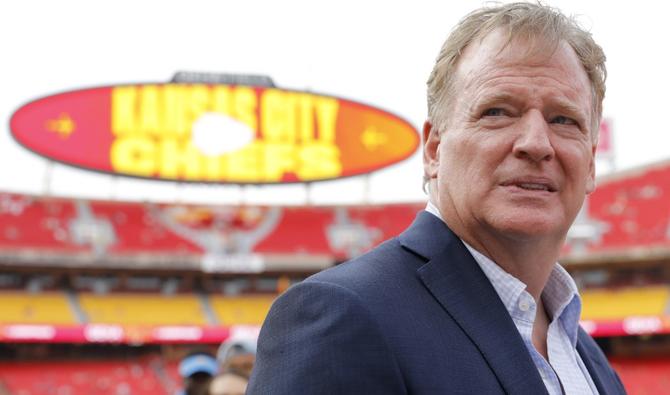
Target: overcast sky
[376,52]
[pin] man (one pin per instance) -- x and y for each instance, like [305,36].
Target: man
[237,355]
[469,299]
[196,371]
[230,382]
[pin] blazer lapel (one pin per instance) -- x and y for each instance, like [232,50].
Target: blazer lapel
[593,361]
[454,278]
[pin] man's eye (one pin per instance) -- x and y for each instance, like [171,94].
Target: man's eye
[494,112]
[564,120]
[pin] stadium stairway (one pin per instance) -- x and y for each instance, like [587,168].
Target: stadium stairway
[73,301]
[207,308]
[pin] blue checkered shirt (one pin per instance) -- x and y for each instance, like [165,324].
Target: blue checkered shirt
[564,372]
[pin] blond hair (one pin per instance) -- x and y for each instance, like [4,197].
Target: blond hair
[540,24]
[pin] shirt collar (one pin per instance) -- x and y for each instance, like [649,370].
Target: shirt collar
[431,208]
[562,301]
[560,295]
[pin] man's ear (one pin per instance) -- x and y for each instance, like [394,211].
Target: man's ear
[431,150]
[591,177]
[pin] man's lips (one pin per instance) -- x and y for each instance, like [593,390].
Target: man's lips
[532,184]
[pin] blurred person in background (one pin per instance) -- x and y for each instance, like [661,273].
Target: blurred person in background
[237,355]
[197,370]
[470,298]
[235,359]
[230,382]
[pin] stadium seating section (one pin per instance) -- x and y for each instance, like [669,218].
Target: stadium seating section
[634,206]
[617,304]
[142,309]
[47,224]
[152,376]
[51,307]
[247,310]
[30,223]
[630,209]
[142,377]
[644,376]
[41,308]
[132,308]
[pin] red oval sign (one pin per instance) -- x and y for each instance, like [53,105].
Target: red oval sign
[213,133]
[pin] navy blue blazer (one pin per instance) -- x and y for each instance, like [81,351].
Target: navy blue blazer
[414,316]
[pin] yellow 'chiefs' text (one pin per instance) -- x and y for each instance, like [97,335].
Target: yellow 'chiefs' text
[295,133]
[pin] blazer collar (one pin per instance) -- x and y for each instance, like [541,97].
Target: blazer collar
[455,280]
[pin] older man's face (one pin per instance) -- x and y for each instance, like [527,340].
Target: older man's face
[516,158]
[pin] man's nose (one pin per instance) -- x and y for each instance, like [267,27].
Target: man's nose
[533,139]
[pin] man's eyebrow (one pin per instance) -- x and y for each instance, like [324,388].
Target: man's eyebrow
[488,99]
[567,106]
[497,97]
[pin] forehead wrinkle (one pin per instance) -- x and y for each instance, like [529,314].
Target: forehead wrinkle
[566,96]
[498,66]
[519,71]
[484,62]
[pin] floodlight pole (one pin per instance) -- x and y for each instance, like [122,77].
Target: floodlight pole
[46,180]
[308,194]
[366,189]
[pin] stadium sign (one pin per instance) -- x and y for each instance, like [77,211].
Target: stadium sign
[213,132]
[209,334]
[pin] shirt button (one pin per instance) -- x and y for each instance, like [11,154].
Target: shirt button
[524,305]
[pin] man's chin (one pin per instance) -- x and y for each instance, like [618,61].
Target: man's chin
[530,228]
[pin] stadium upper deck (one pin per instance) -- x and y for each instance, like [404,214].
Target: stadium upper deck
[626,219]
